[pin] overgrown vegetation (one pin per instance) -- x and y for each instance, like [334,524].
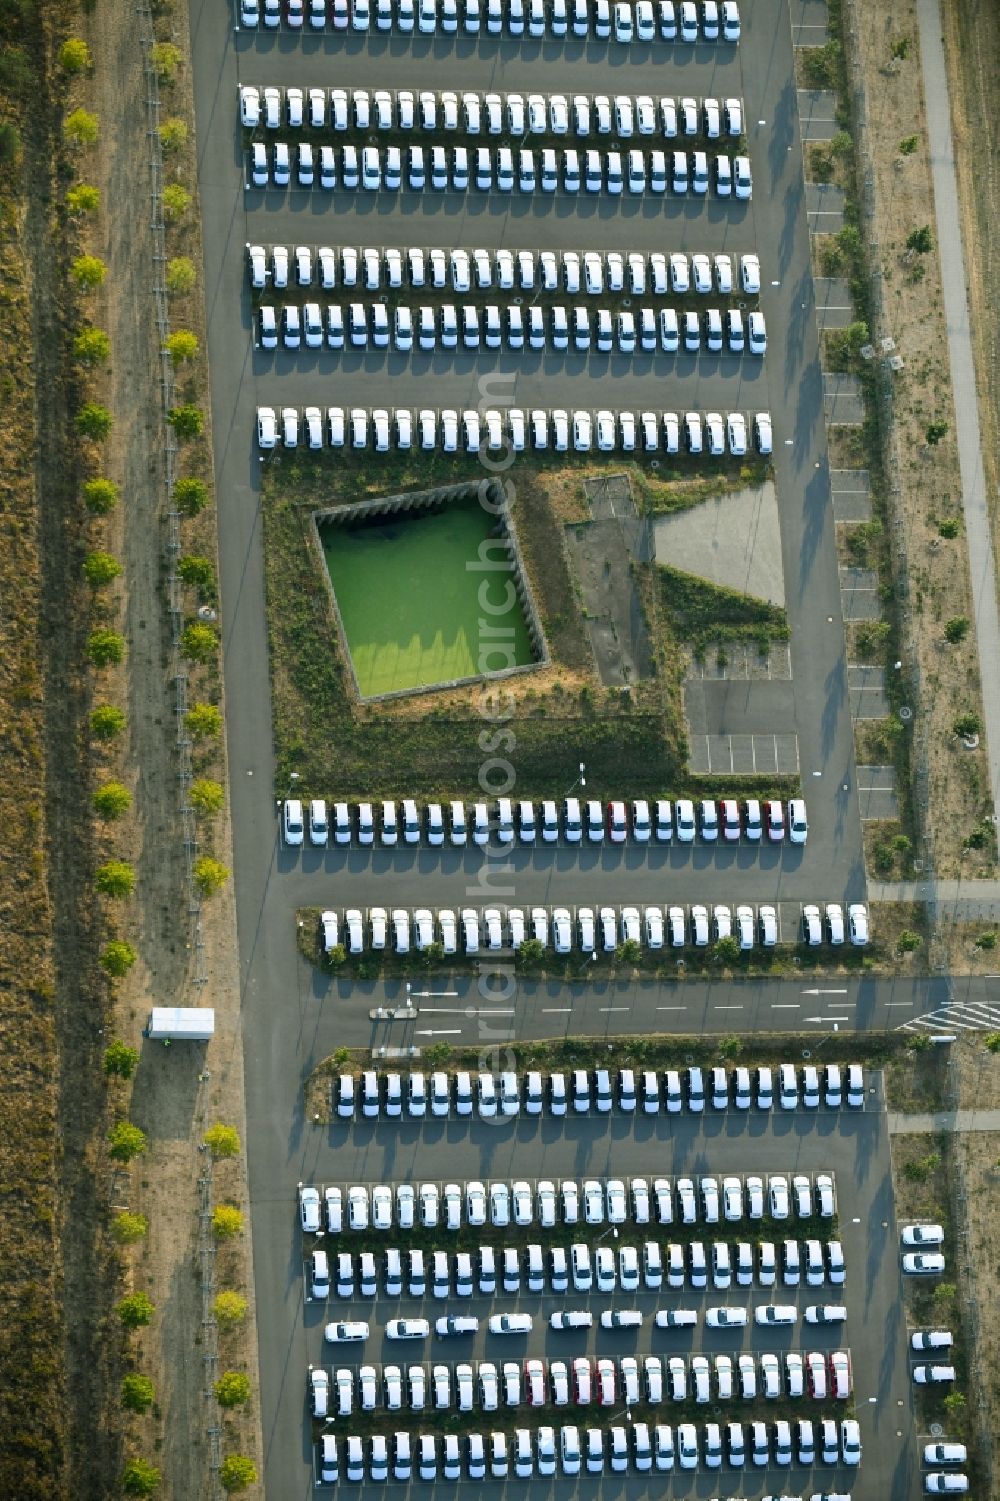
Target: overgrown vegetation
[702,613]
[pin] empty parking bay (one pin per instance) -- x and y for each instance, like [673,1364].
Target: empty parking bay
[834,308]
[851,490]
[866,691]
[859,594]
[877,792]
[817,114]
[809,22]
[824,207]
[745,755]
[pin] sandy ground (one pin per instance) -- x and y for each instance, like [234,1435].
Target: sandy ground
[177,1092]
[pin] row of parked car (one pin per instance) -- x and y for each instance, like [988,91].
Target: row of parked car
[573,821]
[403,328]
[450,1326]
[449,430]
[549,1202]
[473,113]
[581,1382]
[456,169]
[647,21]
[593,1451]
[580,1268]
[592,272]
[439,1094]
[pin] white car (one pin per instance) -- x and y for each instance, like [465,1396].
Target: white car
[922,1235]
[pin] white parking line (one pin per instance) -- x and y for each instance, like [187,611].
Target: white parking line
[670,1008]
[556,1010]
[727,1008]
[613,1008]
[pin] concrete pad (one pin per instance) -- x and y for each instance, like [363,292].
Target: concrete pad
[809,22]
[817,114]
[733,541]
[859,594]
[744,708]
[834,308]
[851,490]
[842,400]
[866,692]
[824,207]
[877,792]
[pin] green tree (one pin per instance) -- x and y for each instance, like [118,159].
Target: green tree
[128,1228]
[190,495]
[120,1061]
[187,421]
[628,952]
[105,647]
[74,56]
[92,346]
[944,1293]
[209,875]
[112,800]
[954,1404]
[176,202]
[83,199]
[166,59]
[180,275]
[230,1309]
[849,240]
[100,496]
[203,721]
[908,941]
[101,569]
[136,1310]
[93,421]
[138,1393]
[956,629]
[237,1473]
[908,145]
[10,140]
[182,346]
[226,1221]
[949,527]
[529,954]
[173,134]
[126,1141]
[199,641]
[921,240]
[966,725]
[934,432]
[232,1389]
[730,1047]
[727,950]
[222,1141]
[821,64]
[335,957]
[992,1039]
[115,878]
[140,1478]
[198,573]
[207,797]
[88,271]
[438,1053]
[107,722]
[81,128]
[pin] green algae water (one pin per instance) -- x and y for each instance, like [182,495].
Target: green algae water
[408,601]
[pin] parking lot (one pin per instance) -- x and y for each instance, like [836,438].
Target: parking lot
[657,1214]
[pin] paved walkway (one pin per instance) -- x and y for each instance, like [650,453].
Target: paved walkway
[942,1120]
[961,899]
[963,376]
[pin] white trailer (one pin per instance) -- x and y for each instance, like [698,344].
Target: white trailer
[180,1024]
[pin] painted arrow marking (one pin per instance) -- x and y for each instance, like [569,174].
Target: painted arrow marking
[826,1018]
[440,1032]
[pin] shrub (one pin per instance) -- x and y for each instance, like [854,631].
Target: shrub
[176,202]
[88,271]
[900,47]
[821,64]
[872,634]
[199,641]
[237,1472]
[908,145]
[182,346]
[921,240]
[92,346]
[10,142]
[115,878]
[949,526]
[138,1393]
[190,496]
[203,721]
[849,240]
[954,1404]
[530,954]
[207,797]
[107,722]
[198,573]
[100,569]
[112,800]
[730,1047]
[81,128]
[230,1309]
[187,421]
[100,496]
[934,432]
[120,1061]
[93,421]
[180,274]
[226,1221]
[956,629]
[222,1141]
[628,952]
[105,647]
[166,59]
[173,134]
[126,1141]
[83,199]
[136,1310]
[232,1389]
[727,950]
[992,1039]
[841,145]
[966,725]
[140,1478]
[128,1228]
[209,875]
[335,957]
[117,958]
[923,1168]
[908,941]
[74,55]
[944,1292]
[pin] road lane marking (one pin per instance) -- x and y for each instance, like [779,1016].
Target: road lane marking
[612,1008]
[786,1005]
[670,1008]
[727,1008]
[556,1010]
